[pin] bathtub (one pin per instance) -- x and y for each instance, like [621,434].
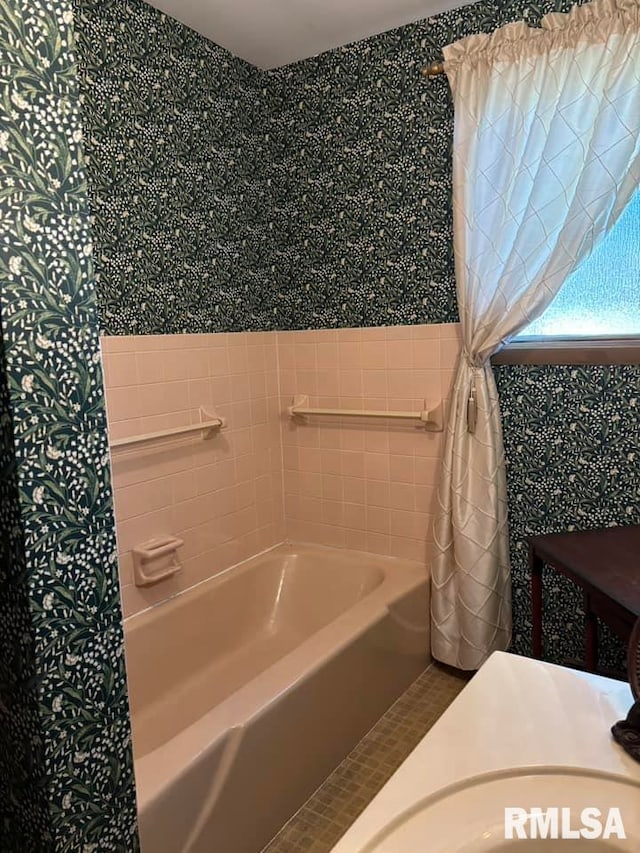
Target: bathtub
[248,689]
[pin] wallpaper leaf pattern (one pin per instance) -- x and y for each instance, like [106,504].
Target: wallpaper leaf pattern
[362,174]
[177,175]
[24,812]
[571,442]
[312,196]
[61,456]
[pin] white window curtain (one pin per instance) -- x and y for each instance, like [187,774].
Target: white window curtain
[546,157]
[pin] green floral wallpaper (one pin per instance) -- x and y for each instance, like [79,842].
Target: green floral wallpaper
[225,198]
[23,805]
[362,172]
[57,520]
[178,175]
[572,442]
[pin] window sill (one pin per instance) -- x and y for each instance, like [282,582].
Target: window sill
[580,351]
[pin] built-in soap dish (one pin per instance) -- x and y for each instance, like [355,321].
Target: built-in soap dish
[156,560]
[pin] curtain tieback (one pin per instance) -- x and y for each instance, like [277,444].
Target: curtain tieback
[472,402]
[472,406]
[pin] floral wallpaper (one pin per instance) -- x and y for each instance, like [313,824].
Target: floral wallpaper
[362,172]
[225,198]
[57,519]
[178,175]
[24,814]
[572,450]
[363,175]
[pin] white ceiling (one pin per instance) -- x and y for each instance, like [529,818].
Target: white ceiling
[268,33]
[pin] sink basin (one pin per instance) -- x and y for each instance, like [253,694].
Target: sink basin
[469,817]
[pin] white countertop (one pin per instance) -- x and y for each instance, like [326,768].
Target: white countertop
[516,712]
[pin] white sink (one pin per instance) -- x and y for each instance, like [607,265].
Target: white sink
[523,734]
[469,816]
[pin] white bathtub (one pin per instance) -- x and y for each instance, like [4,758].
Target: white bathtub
[247,690]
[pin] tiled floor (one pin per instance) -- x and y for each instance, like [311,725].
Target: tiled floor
[327,815]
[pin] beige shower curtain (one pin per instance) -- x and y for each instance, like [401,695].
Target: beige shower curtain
[546,157]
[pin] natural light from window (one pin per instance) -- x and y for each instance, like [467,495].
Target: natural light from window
[602,297]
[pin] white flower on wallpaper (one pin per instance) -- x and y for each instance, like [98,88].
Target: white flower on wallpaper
[31,225]
[42,342]
[19,101]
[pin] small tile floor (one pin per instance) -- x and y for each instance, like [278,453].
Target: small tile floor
[331,810]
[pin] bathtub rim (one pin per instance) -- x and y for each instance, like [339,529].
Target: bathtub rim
[157,769]
[293,546]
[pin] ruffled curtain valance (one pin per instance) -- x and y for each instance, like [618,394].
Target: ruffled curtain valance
[592,23]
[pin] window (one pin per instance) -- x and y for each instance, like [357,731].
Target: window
[599,302]
[602,297]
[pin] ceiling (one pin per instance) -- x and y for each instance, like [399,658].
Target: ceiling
[268,33]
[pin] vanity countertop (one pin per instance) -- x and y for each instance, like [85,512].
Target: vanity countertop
[515,712]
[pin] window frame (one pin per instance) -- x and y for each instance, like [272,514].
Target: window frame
[565,350]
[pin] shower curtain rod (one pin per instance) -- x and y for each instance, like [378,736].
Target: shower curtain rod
[433,69]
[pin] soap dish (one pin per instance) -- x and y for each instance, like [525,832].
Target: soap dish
[156,560]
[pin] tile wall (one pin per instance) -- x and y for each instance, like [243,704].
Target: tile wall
[366,485]
[222,496]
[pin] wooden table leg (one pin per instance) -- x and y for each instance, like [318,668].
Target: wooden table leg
[591,630]
[536,565]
